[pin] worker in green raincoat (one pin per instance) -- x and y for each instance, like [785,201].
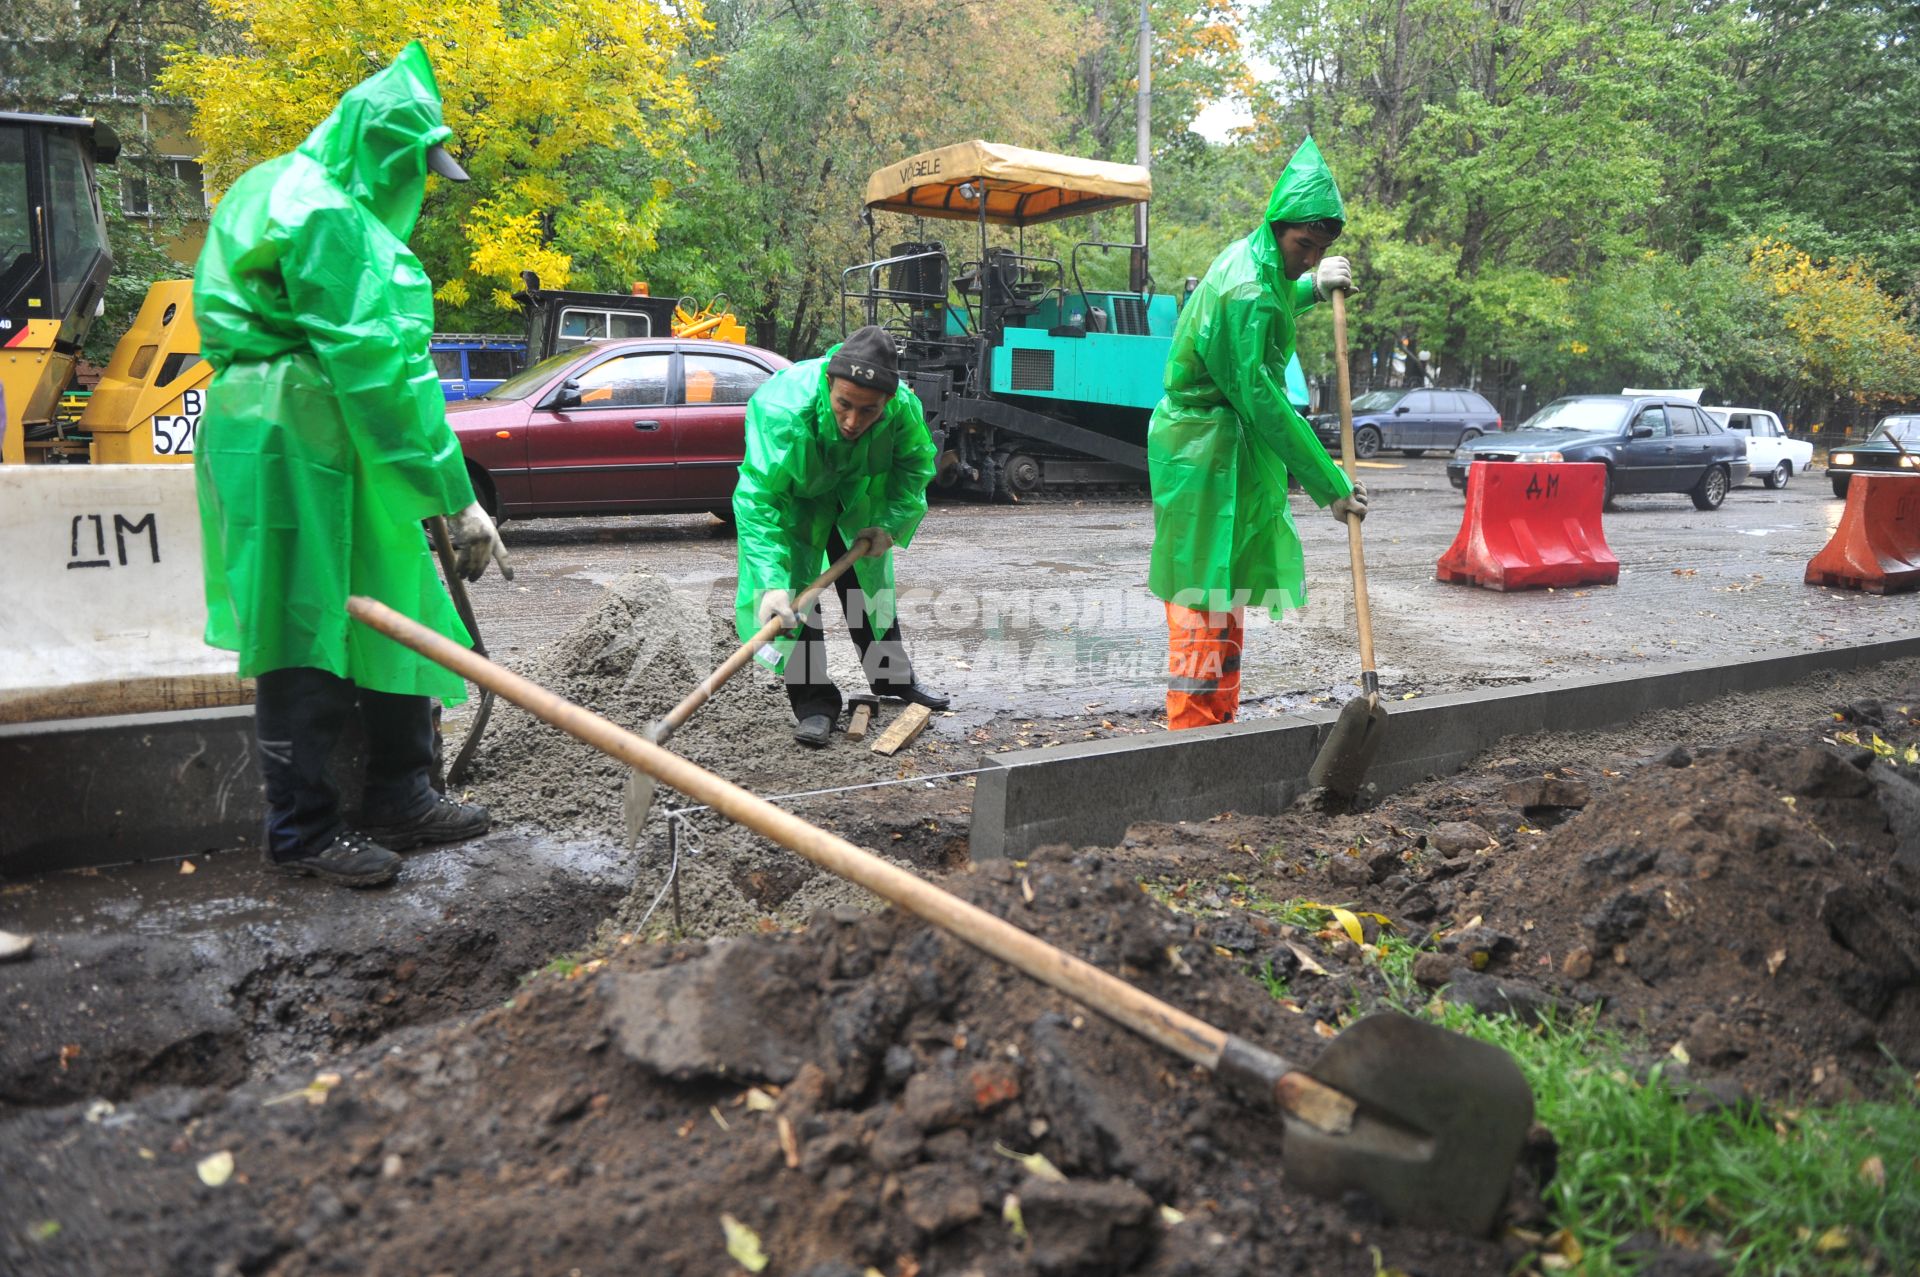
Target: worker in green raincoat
[1224,439]
[837,449]
[323,446]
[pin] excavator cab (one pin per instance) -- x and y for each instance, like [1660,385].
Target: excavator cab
[54,262]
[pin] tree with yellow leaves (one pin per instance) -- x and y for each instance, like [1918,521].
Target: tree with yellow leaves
[547,100]
[1847,338]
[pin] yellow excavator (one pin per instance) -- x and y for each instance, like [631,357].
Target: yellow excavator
[54,263]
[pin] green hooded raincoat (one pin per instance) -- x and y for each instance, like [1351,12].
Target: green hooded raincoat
[325,439]
[1224,438]
[800,479]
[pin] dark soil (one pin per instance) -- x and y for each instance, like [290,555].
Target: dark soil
[1753,903]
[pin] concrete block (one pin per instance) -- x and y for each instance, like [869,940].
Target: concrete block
[1087,794]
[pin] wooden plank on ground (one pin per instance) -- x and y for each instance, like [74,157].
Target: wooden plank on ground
[903,730]
[861,719]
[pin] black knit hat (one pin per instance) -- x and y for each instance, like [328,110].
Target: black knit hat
[867,358]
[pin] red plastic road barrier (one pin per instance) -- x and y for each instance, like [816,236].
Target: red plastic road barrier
[1532,525]
[1876,548]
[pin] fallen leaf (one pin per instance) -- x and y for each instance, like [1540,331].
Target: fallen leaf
[1036,1164]
[1172,1216]
[46,1230]
[1774,961]
[215,1170]
[1307,963]
[1679,1052]
[1011,1216]
[1874,1171]
[758,1100]
[1325,1030]
[1834,1239]
[743,1244]
[186,866]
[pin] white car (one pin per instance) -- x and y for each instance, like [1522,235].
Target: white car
[1773,458]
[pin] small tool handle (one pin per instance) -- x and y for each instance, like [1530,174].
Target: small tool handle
[1369,681]
[1146,1015]
[766,634]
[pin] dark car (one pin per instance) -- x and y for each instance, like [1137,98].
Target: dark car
[1411,420]
[1647,443]
[1893,446]
[644,426]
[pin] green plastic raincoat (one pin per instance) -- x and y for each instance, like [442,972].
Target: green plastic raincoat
[325,441]
[1224,438]
[799,480]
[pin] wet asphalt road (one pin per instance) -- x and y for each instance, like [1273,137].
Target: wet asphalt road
[1041,609]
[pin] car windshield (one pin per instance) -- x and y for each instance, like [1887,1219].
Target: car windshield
[533,378]
[1904,429]
[1593,414]
[1378,400]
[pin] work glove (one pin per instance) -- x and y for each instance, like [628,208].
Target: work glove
[776,603]
[879,541]
[1332,273]
[1356,504]
[475,540]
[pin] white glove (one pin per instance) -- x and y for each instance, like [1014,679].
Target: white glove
[879,541]
[1356,505]
[1332,273]
[776,603]
[475,540]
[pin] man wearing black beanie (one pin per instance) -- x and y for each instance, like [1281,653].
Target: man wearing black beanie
[837,449]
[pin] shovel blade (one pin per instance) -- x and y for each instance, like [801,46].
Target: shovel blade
[1341,766]
[636,796]
[1441,1122]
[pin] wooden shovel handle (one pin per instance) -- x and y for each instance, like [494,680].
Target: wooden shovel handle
[767,633]
[1361,612]
[1151,1018]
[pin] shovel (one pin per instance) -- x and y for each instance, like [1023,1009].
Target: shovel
[443,546]
[1341,767]
[637,798]
[1428,1123]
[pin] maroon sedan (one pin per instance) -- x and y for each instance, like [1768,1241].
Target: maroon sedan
[642,426]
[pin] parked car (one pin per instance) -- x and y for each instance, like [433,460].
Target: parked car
[635,426]
[473,363]
[1772,456]
[1412,421]
[1647,444]
[1894,445]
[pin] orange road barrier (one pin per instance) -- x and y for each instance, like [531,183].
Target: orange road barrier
[1529,525]
[1876,548]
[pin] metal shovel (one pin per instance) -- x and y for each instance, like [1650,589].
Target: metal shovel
[443,547]
[1428,1123]
[1341,767]
[636,799]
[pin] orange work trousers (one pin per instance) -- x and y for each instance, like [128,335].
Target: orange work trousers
[1203,666]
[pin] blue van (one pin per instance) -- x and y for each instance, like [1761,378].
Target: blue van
[471,364]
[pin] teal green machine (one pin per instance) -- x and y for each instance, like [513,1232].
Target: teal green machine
[1030,378]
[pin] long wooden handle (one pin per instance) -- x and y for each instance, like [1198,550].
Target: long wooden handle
[1151,1018]
[456,588]
[766,634]
[1369,680]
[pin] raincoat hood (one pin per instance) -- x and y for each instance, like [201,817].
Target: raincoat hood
[375,142]
[1306,191]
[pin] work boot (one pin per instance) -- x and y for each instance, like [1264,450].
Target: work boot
[914,694]
[445,821]
[815,730]
[14,946]
[352,860]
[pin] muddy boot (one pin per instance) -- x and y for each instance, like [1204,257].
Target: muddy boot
[815,730]
[352,860]
[445,821]
[14,947]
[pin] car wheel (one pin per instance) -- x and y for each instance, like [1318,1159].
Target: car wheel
[1607,490]
[1466,439]
[483,491]
[1366,442]
[1781,473]
[1413,452]
[1711,490]
[1840,482]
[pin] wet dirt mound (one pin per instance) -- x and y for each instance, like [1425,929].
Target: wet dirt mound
[861,1093]
[631,661]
